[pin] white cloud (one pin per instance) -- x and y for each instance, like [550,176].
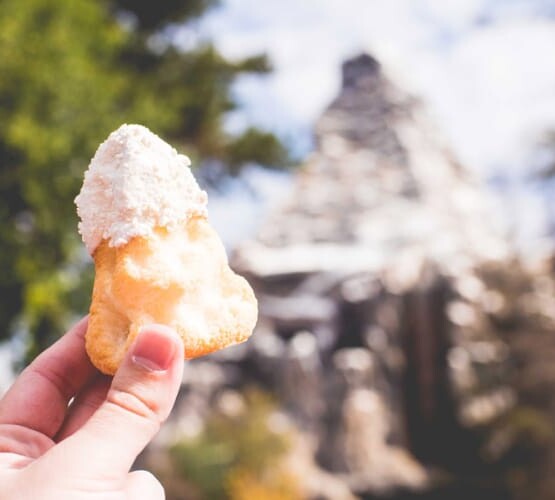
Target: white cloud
[454,15]
[495,91]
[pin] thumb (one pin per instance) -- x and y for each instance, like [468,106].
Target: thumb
[140,398]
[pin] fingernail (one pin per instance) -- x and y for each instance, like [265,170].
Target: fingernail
[153,350]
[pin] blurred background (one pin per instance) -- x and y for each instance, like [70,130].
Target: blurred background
[380,171]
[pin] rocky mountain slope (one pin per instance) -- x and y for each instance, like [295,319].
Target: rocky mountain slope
[397,330]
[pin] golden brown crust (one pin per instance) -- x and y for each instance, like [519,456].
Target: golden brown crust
[179,278]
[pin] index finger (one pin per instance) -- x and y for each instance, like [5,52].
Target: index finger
[39,397]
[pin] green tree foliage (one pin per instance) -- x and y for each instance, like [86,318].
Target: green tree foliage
[235,455]
[70,72]
[257,146]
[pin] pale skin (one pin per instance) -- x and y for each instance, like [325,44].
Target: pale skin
[51,449]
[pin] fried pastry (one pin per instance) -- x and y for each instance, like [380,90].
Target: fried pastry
[157,259]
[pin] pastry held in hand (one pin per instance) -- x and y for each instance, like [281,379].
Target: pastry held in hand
[157,260]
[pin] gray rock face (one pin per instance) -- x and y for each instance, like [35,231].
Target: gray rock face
[380,189]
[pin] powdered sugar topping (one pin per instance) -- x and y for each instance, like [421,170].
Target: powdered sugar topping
[136,182]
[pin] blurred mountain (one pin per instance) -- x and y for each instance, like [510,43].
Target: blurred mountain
[364,259]
[398,333]
[381,181]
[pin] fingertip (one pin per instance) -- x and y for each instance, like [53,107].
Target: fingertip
[161,329]
[156,348]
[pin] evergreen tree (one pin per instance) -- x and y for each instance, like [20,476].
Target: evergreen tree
[71,71]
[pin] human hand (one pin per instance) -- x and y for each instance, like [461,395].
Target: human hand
[51,449]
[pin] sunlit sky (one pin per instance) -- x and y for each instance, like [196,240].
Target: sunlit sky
[486,67]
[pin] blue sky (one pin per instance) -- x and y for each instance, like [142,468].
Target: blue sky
[485,67]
